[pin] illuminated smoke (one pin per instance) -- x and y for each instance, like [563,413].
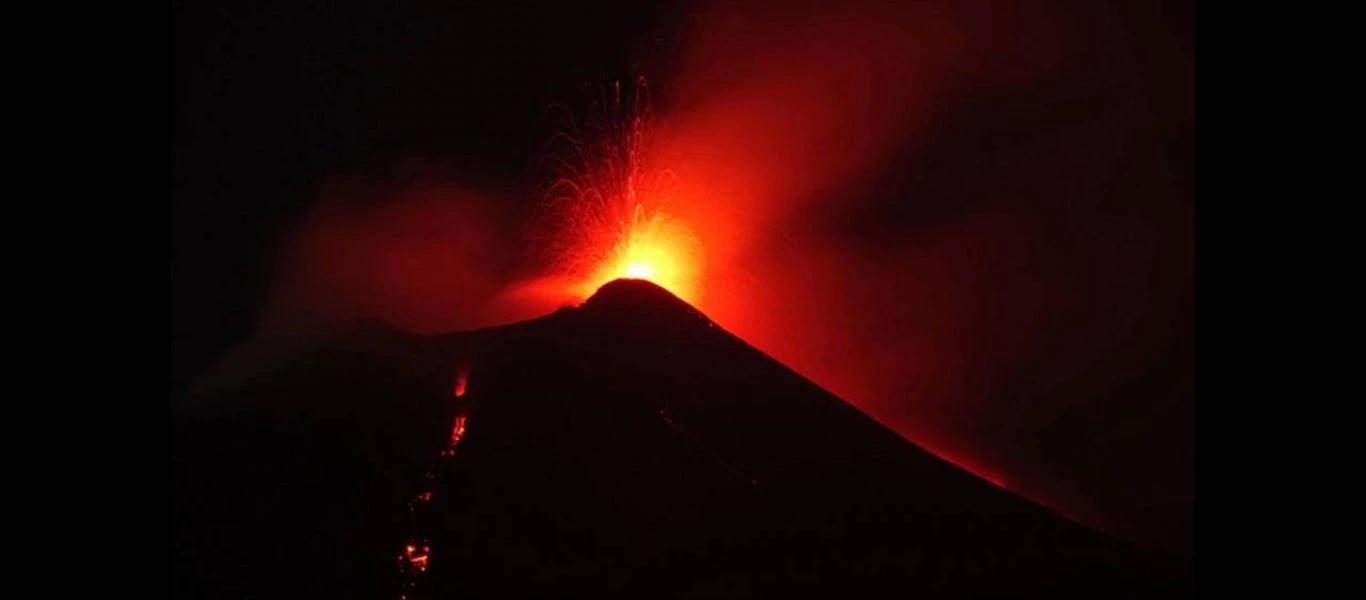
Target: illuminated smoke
[403,242]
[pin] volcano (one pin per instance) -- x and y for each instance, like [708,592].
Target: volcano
[628,447]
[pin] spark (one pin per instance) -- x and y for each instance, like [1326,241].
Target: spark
[608,215]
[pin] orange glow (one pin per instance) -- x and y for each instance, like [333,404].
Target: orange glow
[655,248]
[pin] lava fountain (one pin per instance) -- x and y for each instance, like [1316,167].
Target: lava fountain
[607,215]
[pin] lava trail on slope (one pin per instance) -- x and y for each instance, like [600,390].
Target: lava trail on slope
[628,447]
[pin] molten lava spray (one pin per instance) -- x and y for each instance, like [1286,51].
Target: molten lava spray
[608,215]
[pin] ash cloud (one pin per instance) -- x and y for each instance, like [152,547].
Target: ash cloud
[403,242]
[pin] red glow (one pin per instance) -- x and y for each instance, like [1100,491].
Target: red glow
[414,559]
[961,463]
[462,375]
[457,433]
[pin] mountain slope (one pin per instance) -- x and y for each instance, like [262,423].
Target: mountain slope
[628,447]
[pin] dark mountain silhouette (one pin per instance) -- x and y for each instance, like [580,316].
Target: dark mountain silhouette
[628,447]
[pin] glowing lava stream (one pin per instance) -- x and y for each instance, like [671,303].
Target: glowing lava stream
[416,555]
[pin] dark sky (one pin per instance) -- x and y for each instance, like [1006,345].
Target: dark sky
[1041,213]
